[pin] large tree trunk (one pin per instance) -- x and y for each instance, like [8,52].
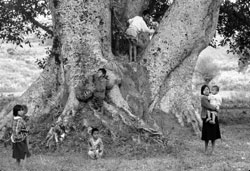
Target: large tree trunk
[172,54]
[162,80]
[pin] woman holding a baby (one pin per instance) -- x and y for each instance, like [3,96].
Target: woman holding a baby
[210,103]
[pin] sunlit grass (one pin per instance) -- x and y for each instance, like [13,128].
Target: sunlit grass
[17,65]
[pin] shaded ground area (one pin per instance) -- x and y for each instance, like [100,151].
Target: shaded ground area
[185,153]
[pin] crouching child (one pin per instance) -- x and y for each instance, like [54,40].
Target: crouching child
[95,145]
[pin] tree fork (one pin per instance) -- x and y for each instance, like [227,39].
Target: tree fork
[83,45]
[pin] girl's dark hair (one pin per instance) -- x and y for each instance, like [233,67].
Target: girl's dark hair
[94,130]
[25,108]
[16,109]
[203,88]
[103,71]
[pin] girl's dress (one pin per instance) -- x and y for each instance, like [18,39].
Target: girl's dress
[19,138]
[210,131]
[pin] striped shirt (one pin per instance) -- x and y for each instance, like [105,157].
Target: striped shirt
[19,130]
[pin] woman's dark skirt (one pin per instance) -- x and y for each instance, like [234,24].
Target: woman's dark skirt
[210,131]
[20,150]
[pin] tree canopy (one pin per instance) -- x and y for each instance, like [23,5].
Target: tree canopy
[19,18]
[234,25]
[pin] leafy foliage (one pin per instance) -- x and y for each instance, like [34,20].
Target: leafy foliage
[157,8]
[41,62]
[19,18]
[234,26]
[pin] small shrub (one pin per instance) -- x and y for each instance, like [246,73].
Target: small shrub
[41,62]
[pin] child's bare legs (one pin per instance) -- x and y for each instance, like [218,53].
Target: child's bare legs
[98,154]
[92,154]
[130,51]
[25,162]
[206,145]
[213,117]
[212,121]
[18,162]
[213,145]
[135,52]
[208,116]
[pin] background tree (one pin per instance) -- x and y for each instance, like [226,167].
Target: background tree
[19,18]
[140,95]
[234,26]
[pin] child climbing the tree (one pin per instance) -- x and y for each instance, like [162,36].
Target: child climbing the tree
[136,26]
[19,135]
[216,100]
[95,145]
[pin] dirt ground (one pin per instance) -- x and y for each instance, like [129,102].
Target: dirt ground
[232,154]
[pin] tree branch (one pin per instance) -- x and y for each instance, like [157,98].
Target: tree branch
[38,24]
[34,21]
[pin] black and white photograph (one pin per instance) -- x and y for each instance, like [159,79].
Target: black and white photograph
[124,85]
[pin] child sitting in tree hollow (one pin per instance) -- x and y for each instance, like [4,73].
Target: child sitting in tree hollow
[215,100]
[95,145]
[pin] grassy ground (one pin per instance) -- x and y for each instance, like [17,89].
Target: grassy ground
[232,154]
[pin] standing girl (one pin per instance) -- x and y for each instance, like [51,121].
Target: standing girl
[210,132]
[19,135]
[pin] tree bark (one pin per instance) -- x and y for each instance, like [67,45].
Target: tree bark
[172,55]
